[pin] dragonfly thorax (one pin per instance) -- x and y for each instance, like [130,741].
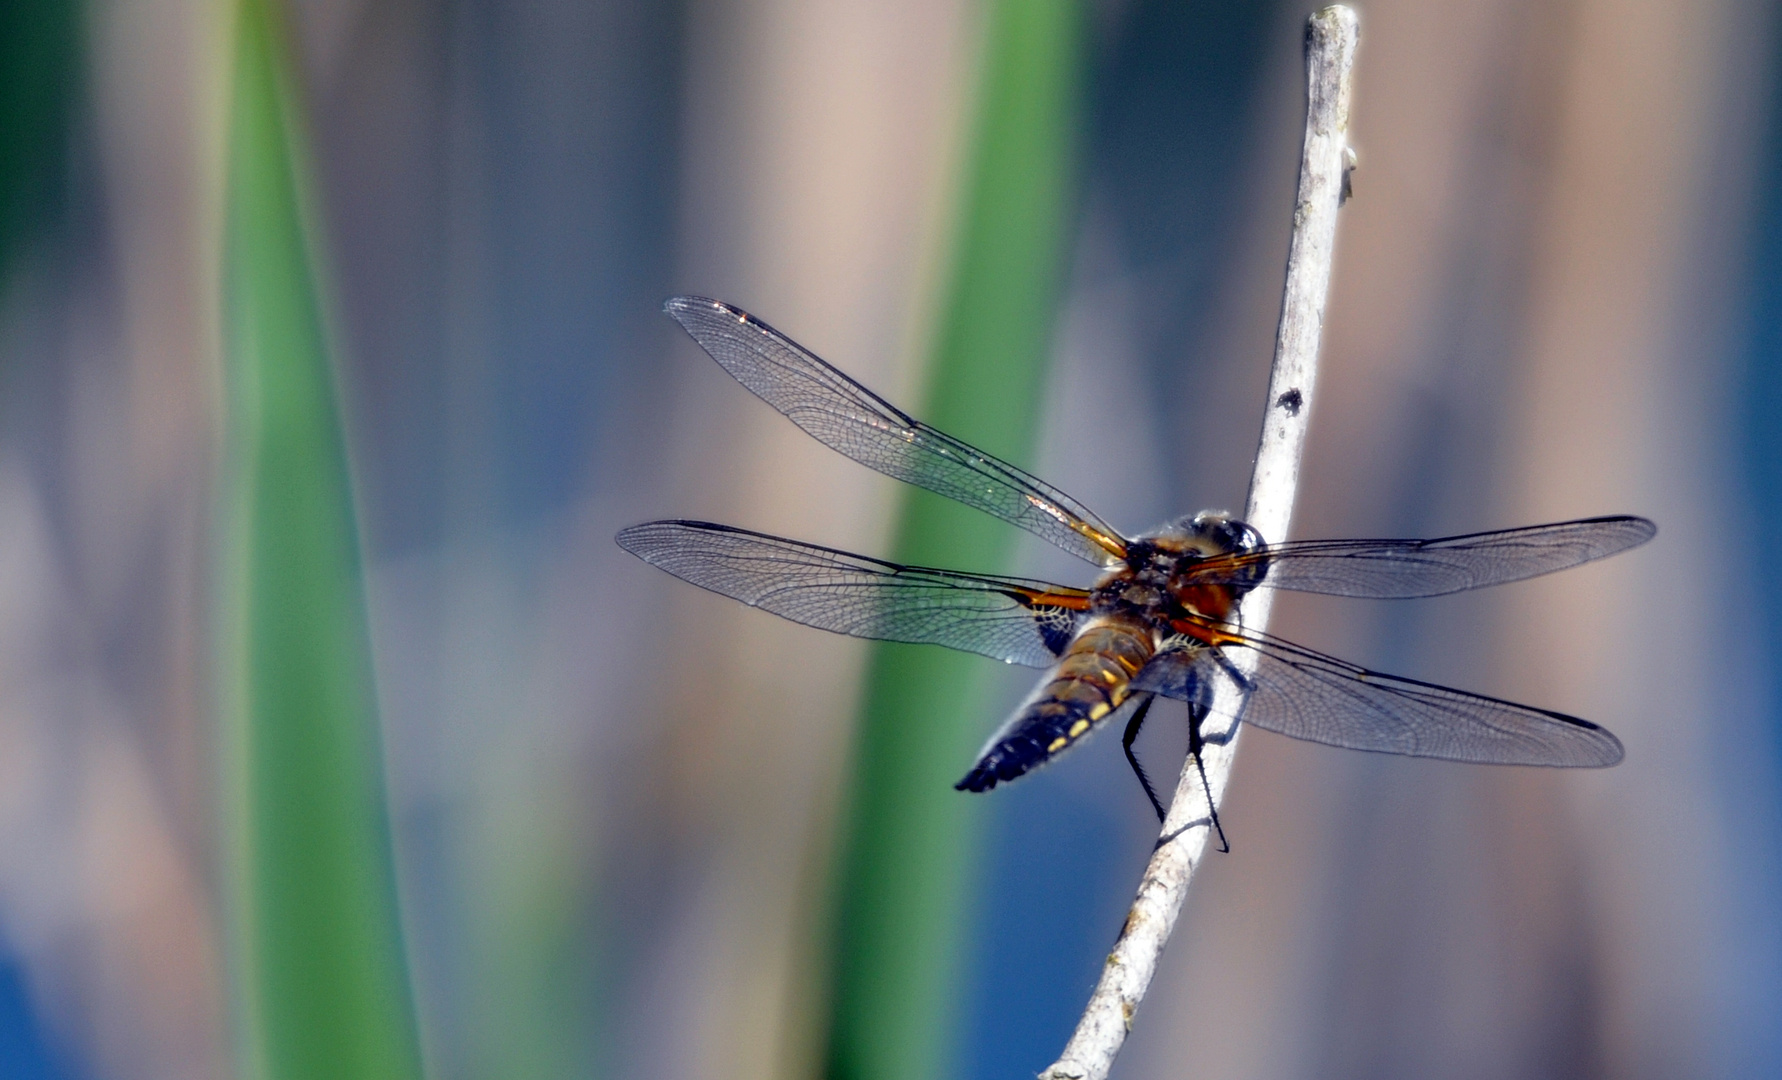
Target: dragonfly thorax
[1158,584]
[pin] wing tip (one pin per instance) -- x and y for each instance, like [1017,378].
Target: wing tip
[1599,749]
[631,537]
[639,539]
[1613,753]
[646,529]
[1634,530]
[682,308]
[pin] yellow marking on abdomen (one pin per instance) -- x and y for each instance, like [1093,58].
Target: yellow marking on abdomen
[1093,678]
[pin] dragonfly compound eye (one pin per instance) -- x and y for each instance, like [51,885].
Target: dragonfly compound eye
[1238,538]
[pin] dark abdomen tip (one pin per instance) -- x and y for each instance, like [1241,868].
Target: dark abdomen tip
[1008,759]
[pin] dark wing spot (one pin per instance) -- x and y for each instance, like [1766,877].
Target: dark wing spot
[1291,401]
[1056,626]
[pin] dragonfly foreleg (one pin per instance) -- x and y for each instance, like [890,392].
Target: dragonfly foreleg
[1132,729]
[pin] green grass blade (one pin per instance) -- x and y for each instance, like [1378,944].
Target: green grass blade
[317,954]
[903,887]
[40,63]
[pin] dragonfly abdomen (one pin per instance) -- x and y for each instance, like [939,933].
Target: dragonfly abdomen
[1092,679]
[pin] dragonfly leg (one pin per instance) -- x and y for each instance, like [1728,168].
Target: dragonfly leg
[1243,681]
[1201,700]
[1196,713]
[1132,729]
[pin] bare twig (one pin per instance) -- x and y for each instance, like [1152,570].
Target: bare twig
[1330,55]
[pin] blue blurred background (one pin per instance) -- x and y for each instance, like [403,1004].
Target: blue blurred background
[615,800]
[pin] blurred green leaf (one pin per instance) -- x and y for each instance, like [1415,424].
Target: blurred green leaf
[39,78]
[318,957]
[904,883]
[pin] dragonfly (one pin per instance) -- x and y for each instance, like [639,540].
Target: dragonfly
[1160,621]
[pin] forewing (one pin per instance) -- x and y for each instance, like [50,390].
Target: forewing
[1010,619]
[1410,568]
[1304,694]
[845,416]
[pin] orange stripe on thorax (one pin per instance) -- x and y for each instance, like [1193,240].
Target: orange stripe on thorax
[1211,601]
[1204,631]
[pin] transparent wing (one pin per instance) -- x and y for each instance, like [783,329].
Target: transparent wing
[1304,694]
[1410,568]
[845,416]
[1010,619]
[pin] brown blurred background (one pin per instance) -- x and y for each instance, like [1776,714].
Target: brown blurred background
[614,799]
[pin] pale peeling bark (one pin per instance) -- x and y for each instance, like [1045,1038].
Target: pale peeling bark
[1330,54]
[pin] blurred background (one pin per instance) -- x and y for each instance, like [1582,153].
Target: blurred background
[617,827]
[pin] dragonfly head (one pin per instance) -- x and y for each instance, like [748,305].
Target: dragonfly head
[1218,533]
